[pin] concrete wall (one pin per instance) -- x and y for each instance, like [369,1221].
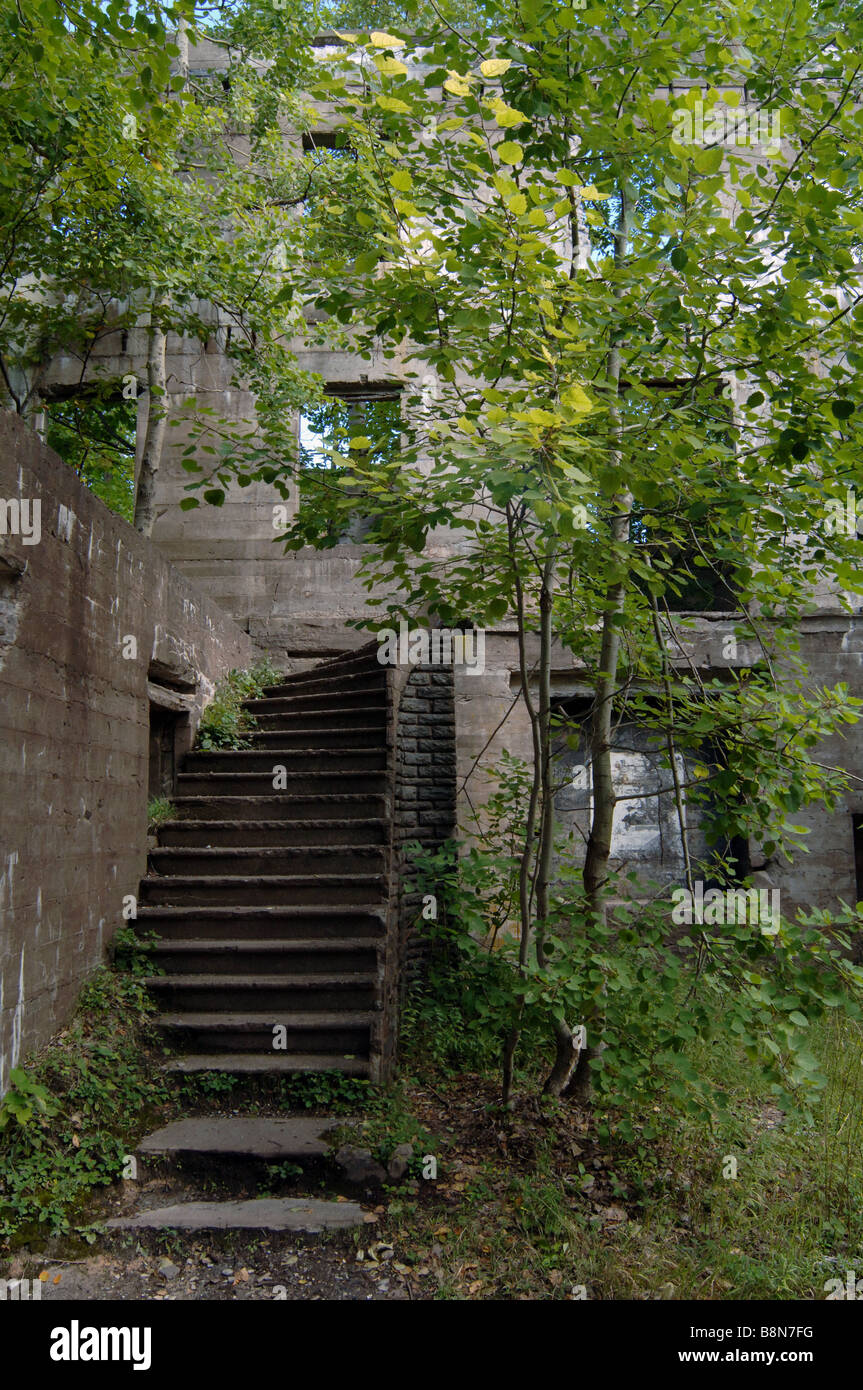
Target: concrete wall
[74,726]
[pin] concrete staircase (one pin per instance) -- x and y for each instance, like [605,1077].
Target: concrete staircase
[270,905]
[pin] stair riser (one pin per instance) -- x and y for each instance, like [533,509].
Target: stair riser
[320,723]
[266,761]
[274,1002]
[280,806]
[263,928]
[357,961]
[332,1039]
[174,893]
[298,784]
[288,836]
[284,860]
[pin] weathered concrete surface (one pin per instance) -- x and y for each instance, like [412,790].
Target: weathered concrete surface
[242,1137]
[259,1214]
[74,726]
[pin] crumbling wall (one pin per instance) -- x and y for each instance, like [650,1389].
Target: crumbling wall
[89,612]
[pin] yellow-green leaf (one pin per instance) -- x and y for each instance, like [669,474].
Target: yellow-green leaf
[505,187]
[459,86]
[588,191]
[518,204]
[381,40]
[576,399]
[494,67]
[505,116]
[389,66]
[402,180]
[392,104]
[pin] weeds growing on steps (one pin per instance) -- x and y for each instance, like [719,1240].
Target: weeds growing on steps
[224,722]
[159,810]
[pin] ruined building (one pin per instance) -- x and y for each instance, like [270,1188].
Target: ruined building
[270,903]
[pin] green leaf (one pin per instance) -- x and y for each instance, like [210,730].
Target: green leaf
[509,152]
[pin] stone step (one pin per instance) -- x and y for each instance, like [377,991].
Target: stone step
[354,806]
[337,697]
[345,1034]
[277,996]
[364,659]
[236,834]
[362,716]
[204,956]
[241,1136]
[267,1064]
[364,675]
[279,924]
[286,735]
[373,782]
[272,890]
[309,1214]
[268,759]
[248,860]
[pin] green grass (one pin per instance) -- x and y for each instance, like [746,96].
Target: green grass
[791,1219]
[159,810]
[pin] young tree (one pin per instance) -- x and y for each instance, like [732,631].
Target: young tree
[637,319]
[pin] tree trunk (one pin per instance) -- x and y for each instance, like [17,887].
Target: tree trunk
[525,919]
[566,1054]
[595,872]
[157,418]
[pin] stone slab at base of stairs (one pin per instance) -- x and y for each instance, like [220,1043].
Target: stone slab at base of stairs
[242,1137]
[260,1214]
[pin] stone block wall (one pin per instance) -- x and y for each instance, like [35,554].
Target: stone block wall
[424,799]
[90,615]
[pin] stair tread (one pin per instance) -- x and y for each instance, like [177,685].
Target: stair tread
[249,1021]
[309,1214]
[324,944]
[214,851]
[314,979]
[246,1136]
[284,797]
[269,1063]
[316,824]
[292,752]
[262,878]
[334,711]
[349,730]
[232,909]
[267,776]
